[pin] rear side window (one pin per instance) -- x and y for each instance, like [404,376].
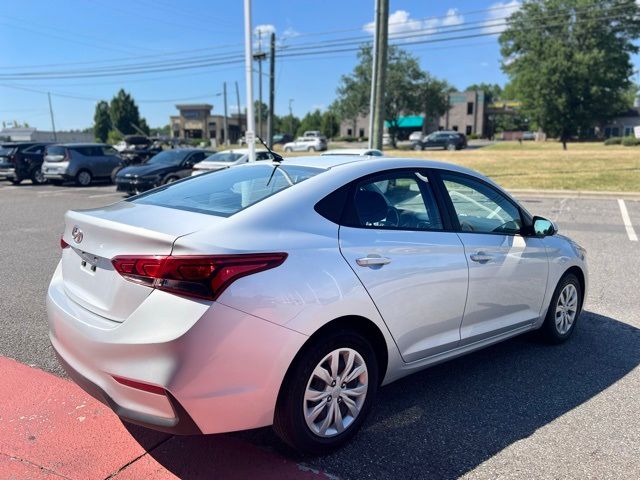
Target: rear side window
[228,191]
[109,151]
[35,149]
[7,150]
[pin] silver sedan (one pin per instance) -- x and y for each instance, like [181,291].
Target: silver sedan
[287,293]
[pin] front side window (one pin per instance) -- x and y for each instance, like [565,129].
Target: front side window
[395,200]
[480,208]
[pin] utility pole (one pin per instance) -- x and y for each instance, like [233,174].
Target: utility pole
[291,118]
[53,123]
[239,111]
[250,135]
[382,33]
[272,78]
[226,122]
[374,69]
[259,57]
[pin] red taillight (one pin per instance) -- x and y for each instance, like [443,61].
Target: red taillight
[201,276]
[63,244]
[145,387]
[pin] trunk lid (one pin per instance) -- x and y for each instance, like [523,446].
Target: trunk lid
[96,236]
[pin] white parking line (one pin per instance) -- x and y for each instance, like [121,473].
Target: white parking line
[627,221]
[104,195]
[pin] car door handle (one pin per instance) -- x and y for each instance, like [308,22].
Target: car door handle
[373,261]
[480,257]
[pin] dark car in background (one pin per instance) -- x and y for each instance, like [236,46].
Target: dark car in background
[441,140]
[282,138]
[79,162]
[21,161]
[165,167]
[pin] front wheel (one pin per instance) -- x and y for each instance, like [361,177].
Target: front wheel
[564,310]
[288,150]
[327,393]
[417,147]
[451,147]
[311,149]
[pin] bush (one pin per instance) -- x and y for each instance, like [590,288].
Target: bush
[630,141]
[613,141]
[345,139]
[473,136]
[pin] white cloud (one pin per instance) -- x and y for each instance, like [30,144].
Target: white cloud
[497,14]
[264,30]
[400,22]
[291,33]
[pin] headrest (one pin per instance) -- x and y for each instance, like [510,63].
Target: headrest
[371,207]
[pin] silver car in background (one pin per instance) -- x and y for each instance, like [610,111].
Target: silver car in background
[228,158]
[81,163]
[287,293]
[306,144]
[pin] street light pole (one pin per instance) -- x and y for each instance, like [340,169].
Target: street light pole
[291,118]
[53,123]
[226,121]
[250,134]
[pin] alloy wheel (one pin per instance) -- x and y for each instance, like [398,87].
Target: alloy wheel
[336,392]
[566,308]
[84,178]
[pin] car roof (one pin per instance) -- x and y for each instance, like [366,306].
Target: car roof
[349,151]
[242,151]
[72,145]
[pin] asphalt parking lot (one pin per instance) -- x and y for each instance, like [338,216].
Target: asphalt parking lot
[520,409]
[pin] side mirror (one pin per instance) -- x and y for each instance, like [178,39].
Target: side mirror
[543,227]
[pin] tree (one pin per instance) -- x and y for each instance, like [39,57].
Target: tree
[402,88]
[571,72]
[311,121]
[124,114]
[492,91]
[330,124]
[101,121]
[288,124]
[434,94]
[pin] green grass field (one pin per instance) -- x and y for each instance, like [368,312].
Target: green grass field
[545,166]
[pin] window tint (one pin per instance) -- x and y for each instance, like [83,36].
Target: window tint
[55,150]
[109,151]
[35,149]
[396,200]
[480,208]
[88,151]
[227,191]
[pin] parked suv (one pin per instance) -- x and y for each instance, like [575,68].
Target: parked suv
[306,144]
[20,161]
[443,139]
[79,162]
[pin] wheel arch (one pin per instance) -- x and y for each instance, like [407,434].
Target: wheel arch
[577,271]
[365,327]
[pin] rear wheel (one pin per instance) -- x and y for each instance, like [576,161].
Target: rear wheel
[327,393]
[564,310]
[311,149]
[417,147]
[83,178]
[288,149]
[37,177]
[114,172]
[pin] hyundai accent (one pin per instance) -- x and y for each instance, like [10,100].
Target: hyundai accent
[287,293]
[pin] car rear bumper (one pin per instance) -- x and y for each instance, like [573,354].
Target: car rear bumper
[220,368]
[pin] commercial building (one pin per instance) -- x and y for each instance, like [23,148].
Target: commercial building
[195,121]
[21,134]
[467,114]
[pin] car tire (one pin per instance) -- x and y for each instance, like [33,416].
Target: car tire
[451,147]
[37,177]
[288,150]
[417,147]
[170,179]
[114,173]
[311,149]
[293,420]
[84,178]
[564,310]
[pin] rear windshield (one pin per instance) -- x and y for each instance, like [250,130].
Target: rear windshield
[55,150]
[224,157]
[6,150]
[228,191]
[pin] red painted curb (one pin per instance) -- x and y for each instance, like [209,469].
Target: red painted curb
[49,427]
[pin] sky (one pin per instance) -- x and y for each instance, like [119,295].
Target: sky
[96,36]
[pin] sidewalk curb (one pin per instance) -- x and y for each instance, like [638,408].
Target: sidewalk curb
[575,193]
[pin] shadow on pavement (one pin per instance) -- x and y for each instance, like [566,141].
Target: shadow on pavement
[446,420]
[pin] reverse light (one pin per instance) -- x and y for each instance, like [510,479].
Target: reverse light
[200,276]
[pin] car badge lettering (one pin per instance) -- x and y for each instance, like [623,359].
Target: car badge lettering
[77,234]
